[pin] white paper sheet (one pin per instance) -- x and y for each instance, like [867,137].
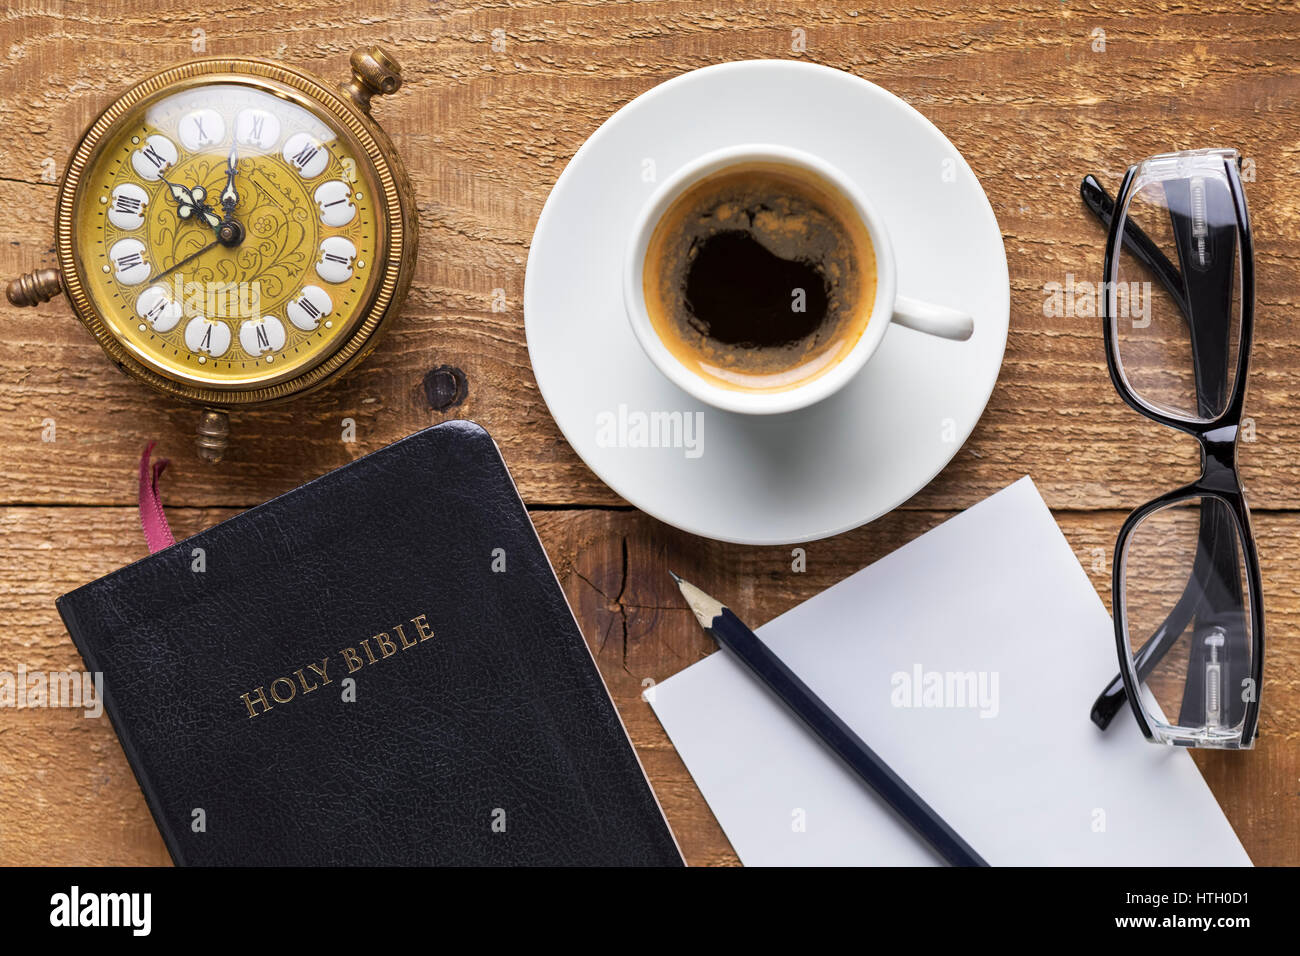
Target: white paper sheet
[995,592]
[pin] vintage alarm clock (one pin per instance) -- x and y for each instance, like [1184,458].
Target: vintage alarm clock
[235,233]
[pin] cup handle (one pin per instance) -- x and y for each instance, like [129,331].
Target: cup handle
[933,319]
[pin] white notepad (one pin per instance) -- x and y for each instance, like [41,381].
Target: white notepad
[993,613]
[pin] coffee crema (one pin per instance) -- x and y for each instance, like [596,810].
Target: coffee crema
[760,277]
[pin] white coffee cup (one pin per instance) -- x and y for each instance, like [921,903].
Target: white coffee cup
[888,305]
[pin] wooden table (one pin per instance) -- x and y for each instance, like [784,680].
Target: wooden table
[1034,95]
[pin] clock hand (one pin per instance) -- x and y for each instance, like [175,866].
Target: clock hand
[229,196]
[190,201]
[187,259]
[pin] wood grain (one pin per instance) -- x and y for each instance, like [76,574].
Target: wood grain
[1018,87]
[58,768]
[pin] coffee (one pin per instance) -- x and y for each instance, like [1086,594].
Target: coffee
[760,277]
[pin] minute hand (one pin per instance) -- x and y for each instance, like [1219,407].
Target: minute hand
[229,195]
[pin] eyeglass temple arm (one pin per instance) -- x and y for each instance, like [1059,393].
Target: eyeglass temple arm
[1137,242]
[1114,697]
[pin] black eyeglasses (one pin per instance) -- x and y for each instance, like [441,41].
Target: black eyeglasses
[1187,595]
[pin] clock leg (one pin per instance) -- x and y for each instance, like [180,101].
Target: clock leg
[35,287]
[214,434]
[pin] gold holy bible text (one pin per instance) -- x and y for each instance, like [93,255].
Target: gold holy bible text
[317,674]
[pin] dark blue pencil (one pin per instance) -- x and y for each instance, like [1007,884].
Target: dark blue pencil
[731,632]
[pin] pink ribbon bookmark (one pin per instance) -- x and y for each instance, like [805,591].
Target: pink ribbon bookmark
[157,533]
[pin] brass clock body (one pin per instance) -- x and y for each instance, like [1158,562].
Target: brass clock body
[234,233]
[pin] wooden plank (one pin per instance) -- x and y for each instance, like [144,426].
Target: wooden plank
[69,797]
[1019,90]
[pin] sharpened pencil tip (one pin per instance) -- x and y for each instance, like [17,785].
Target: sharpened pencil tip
[675,577]
[702,606]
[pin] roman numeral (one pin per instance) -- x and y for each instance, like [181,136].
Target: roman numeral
[128,204]
[304,155]
[202,136]
[309,307]
[205,344]
[153,157]
[335,257]
[129,261]
[262,341]
[334,203]
[255,127]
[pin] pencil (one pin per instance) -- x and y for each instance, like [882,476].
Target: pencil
[731,633]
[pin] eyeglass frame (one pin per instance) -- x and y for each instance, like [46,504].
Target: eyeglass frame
[1218,438]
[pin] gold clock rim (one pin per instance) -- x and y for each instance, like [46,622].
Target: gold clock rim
[383,294]
[265,379]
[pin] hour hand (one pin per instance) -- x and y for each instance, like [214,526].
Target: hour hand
[229,196]
[191,204]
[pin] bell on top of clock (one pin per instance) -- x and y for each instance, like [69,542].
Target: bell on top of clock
[234,233]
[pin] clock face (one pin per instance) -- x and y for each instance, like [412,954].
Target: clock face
[228,236]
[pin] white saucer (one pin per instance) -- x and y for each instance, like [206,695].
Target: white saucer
[786,478]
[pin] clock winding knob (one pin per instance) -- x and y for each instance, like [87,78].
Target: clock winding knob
[35,287]
[374,73]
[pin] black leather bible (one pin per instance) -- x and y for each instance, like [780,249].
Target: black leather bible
[377,668]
